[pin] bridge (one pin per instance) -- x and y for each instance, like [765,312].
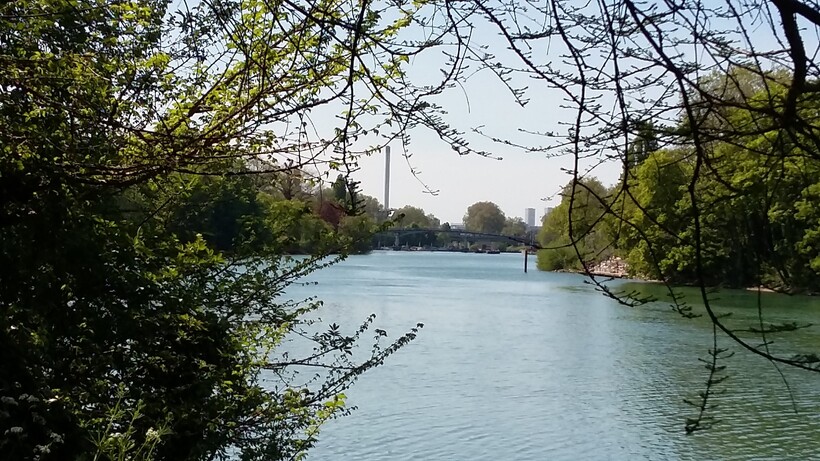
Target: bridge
[462,234]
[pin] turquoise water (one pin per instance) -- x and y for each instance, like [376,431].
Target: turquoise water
[539,366]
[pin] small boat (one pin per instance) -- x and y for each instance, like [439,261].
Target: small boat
[493,252]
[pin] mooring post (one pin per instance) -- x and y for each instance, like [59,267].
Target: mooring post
[526,253]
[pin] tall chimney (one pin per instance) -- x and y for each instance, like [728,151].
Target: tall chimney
[387,178]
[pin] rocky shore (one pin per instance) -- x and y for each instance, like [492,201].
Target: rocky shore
[611,267]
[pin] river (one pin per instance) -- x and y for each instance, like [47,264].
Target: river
[539,366]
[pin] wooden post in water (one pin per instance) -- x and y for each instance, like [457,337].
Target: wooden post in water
[526,253]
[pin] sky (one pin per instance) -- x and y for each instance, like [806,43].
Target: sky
[519,180]
[516,182]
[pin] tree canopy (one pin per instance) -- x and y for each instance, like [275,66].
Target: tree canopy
[571,233]
[484,217]
[144,259]
[515,227]
[410,216]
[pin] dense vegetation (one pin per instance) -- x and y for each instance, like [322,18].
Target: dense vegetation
[757,196]
[136,323]
[147,221]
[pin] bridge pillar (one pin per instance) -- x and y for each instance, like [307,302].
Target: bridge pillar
[396,242]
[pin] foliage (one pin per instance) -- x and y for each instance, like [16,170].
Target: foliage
[357,232]
[515,227]
[484,217]
[228,213]
[561,256]
[291,184]
[410,217]
[345,195]
[574,228]
[372,208]
[643,144]
[121,446]
[143,263]
[751,234]
[655,208]
[414,217]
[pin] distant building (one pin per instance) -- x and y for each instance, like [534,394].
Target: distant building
[457,226]
[529,216]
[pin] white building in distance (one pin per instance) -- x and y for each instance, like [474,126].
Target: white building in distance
[529,216]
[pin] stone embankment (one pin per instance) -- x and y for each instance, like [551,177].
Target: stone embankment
[611,267]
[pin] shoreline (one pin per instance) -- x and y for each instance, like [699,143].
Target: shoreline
[761,289]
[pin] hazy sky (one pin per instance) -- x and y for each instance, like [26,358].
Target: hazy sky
[520,180]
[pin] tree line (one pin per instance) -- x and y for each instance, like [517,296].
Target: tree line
[482,217]
[293,210]
[757,201]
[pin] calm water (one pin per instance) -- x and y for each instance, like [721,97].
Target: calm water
[538,366]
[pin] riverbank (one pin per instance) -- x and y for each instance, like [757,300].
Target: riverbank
[611,267]
[616,267]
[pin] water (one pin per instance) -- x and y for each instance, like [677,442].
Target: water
[514,366]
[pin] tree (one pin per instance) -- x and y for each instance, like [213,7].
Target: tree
[357,232]
[572,235]
[373,208]
[410,216]
[226,212]
[444,239]
[484,217]
[653,208]
[645,142]
[291,184]
[330,212]
[339,188]
[345,194]
[119,339]
[515,227]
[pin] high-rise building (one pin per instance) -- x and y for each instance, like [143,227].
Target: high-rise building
[529,216]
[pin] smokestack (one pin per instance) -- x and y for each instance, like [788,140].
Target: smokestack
[387,178]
